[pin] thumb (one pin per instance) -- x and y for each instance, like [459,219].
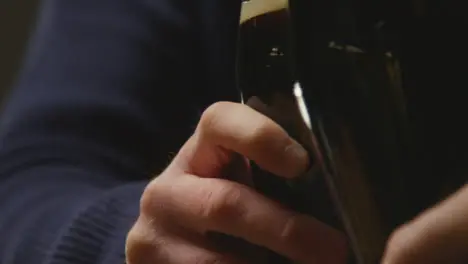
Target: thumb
[440,235]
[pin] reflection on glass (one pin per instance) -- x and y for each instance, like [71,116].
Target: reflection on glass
[381,108]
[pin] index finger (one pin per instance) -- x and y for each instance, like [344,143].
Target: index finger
[239,128]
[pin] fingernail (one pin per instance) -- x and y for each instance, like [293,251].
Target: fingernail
[300,159]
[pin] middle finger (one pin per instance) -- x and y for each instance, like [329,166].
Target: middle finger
[209,204]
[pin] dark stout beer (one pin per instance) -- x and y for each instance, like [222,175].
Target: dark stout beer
[387,103]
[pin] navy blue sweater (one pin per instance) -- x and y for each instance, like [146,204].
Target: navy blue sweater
[109,90]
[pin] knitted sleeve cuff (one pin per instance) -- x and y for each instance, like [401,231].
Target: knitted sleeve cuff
[98,232]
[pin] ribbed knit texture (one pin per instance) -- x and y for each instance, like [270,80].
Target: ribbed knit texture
[109,90]
[92,238]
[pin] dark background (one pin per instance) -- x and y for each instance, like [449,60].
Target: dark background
[17,19]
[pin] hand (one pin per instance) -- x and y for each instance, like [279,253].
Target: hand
[192,198]
[439,235]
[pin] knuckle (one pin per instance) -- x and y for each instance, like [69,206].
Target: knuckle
[211,116]
[398,250]
[223,205]
[141,245]
[151,198]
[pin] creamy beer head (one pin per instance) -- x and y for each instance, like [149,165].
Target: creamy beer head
[254,8]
